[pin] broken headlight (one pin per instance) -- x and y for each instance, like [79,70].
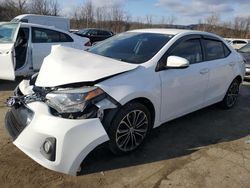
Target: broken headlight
[72,100]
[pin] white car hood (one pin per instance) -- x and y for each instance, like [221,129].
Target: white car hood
[67,65]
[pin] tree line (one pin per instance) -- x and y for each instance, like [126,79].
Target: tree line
[115,18]
[239,27]
[11,8]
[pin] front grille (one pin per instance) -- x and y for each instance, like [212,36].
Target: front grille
[17,119]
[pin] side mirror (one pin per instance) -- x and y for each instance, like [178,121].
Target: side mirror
[176,62]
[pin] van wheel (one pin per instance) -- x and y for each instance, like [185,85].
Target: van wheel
[231,96]
[129,128]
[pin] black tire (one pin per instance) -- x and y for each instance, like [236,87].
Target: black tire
[231,96]
[129,128]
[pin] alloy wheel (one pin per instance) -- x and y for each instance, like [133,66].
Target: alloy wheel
[132,130]
[232,94]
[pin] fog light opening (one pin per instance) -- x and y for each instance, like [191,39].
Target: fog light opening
[48,148]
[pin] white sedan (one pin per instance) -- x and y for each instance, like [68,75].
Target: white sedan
[23,47]
[118,91]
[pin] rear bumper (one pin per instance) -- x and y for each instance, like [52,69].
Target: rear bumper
[247,74]
[74,138]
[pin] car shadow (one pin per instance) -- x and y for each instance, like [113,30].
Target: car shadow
[179,137]
[9,85]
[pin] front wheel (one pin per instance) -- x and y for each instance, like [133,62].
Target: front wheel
[129,128]
[232,94]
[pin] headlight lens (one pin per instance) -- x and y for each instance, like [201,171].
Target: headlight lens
[72,100]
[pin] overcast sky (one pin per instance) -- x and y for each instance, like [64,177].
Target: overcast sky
[185,11]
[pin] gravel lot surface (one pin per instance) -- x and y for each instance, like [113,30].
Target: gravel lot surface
[207,148]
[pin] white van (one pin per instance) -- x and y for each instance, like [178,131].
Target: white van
[23,47]
[56,21]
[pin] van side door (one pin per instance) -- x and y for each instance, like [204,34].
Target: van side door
[42,41]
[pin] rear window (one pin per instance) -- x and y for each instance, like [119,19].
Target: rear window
[245,49]
[239,42]
[104,33]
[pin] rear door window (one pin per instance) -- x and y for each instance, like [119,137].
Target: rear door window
[65,38]
[41,35]
[215,49]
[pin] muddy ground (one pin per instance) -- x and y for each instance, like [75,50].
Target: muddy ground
[207,148]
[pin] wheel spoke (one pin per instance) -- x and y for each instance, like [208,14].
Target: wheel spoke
[135,141]
[125,142]
[123,122]
[139,134]
[141,122]
[138,115]
[132,141]
[128,120]
[123,131]
[141,130]
[232,94]
[121,136]
[134,117]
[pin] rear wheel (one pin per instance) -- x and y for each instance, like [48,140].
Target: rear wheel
[129,128]
[232,94]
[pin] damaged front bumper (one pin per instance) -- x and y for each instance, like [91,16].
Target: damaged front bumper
[57,143]
[74,138]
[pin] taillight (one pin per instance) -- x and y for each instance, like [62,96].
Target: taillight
[88,44]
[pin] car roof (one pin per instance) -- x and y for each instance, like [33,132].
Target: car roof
[38,15]
[171,31]
[95,29]
[43,26]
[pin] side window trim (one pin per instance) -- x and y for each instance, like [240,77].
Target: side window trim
[163,59]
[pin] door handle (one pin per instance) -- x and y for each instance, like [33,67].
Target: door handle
[204,71]
[231,64]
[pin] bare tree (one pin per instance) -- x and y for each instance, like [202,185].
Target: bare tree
[54,7]
[149,20]
[241,26]
[88,11]
[11,8]
[117,17]
[170,20]
[45,7]
[22,6]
